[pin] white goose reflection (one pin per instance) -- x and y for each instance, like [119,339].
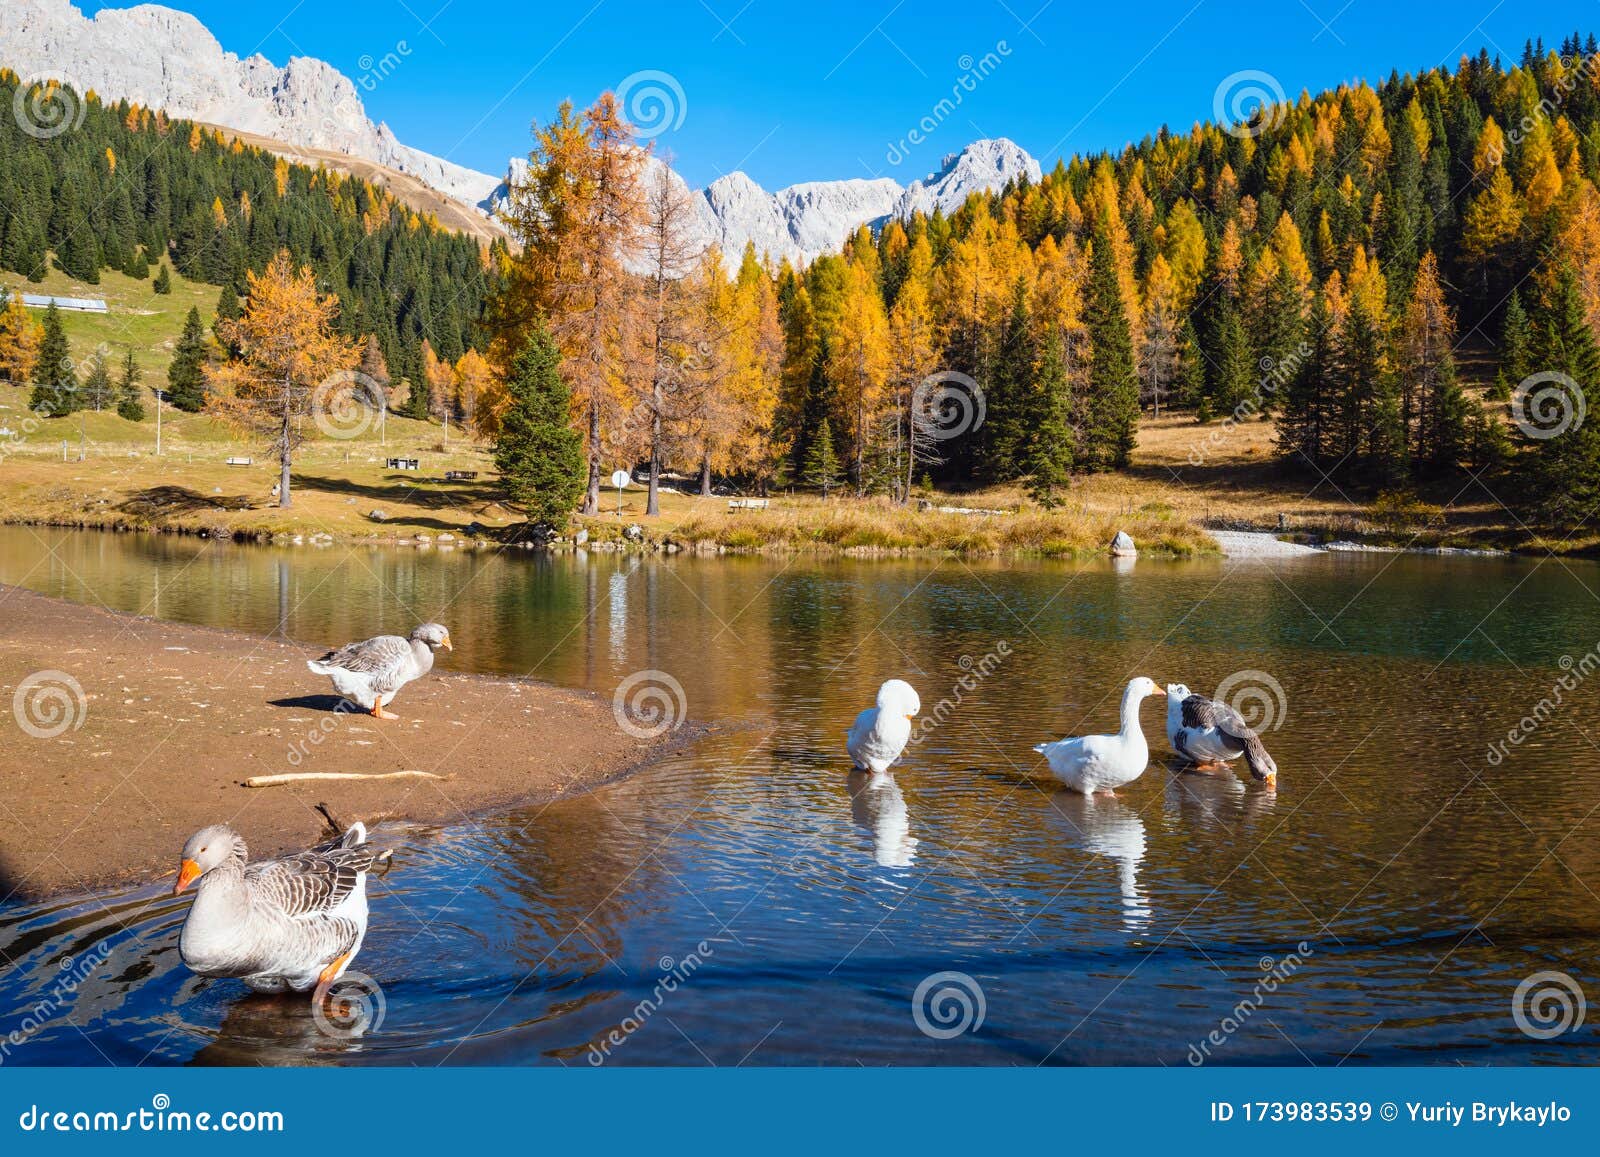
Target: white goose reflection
[878,805]
[1105,826]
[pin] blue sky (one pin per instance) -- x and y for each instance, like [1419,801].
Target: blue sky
[820,89]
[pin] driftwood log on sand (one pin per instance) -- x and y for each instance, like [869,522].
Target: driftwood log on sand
[303,776]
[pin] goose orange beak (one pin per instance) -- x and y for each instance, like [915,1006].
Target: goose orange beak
[188,873]
[446,644]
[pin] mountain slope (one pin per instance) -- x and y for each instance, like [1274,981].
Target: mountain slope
[165,59]
[308,110]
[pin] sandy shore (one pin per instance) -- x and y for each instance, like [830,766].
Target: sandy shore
[171,719]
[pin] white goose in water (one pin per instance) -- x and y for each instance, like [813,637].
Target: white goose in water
[1209,734]
[1091,763]
[370,673]
[881,733]
[292,923]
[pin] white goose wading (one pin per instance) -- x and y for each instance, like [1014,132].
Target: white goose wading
[880,734]
[1091,763]
[289,923]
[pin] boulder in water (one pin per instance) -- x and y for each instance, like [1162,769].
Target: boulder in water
[1122,546]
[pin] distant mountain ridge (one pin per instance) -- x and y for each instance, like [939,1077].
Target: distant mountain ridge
[166,59]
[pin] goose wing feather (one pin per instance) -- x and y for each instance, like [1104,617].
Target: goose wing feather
[310,883]
[384,660]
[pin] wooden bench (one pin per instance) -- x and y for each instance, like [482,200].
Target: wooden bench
[402,463]
[241,462]
[748,503]
[460,475]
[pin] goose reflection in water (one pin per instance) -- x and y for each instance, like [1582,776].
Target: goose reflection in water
[878,805]
[1214,799]
[1110,828]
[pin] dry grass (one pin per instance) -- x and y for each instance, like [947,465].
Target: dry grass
[1164,501]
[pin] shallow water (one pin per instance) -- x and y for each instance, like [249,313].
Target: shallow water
[747,900]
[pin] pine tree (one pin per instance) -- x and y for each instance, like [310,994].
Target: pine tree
[130,399]
[163,281]
[1564,477]
[1234,381]
[538,453]
[55,381]
[1515,339]
[95,392]
[1054,444]
[1303,424]
[822,460]
[186,376]
[1113,401]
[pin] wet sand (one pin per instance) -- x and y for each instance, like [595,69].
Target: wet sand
[172,719]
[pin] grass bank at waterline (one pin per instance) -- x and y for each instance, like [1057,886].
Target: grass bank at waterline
[130,734]
[96,470]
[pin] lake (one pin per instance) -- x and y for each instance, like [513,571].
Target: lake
[748,900]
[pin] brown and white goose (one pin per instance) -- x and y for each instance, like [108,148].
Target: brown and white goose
[287,924]
[370,673]
[1209,734]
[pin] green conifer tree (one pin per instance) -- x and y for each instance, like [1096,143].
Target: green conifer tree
[130,399]
[186,376]
[55,381]
[538,453]
[1113,398]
